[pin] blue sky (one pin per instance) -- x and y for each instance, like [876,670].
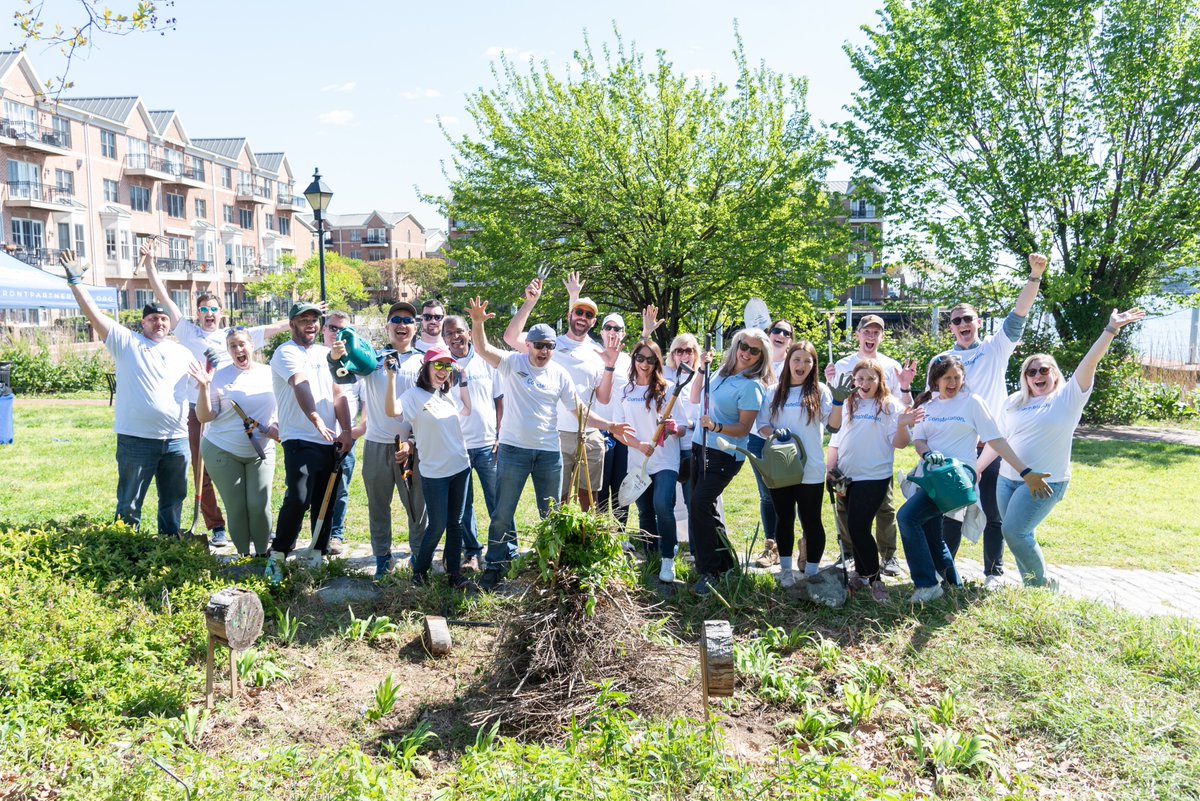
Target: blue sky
[356,88]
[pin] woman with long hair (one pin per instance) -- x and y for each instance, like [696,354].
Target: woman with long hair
[642,402]
[736,395]
[1039,421]
[803,406]
[685,351]
[781,334]
[955,419]
[862,453]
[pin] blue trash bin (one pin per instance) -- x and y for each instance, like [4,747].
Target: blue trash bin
[6,420]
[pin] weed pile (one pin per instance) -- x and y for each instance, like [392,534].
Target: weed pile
[580,625]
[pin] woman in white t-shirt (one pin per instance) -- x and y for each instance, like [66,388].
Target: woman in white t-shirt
[955,419]
[1039,421]
[863,451]
[803,406]
[435,419]
[241,471]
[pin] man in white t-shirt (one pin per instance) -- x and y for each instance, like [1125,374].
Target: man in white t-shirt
[335,321]
[870,333]
[206,341]
[534,386]
[433,316]
[150,409]
[985,361]
[479,430]
[314,427]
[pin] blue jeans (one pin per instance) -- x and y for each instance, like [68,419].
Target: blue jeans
[1022,512]
[656,512]
[166,462]
[766,507]
[484,461]
[515,466]
[445,499]
[341,494]
[993,538]
[924,547]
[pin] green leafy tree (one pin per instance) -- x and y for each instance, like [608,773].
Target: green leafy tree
[343,282]
[660,189]
[1005,127]
[431,276]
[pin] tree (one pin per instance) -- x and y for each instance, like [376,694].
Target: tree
[659,189]
[343,282]
[430,276]
[1004,127]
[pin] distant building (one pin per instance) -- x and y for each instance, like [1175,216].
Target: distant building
[373,236]
[866,230]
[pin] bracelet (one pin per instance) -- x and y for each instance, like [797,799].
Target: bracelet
[838,403]
[906,389]
[1111,330]
[720,427]
[1026,471]
[1034,278]
[610,369]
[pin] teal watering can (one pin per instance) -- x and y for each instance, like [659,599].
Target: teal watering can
[950,485]
[781,464]
[360,358]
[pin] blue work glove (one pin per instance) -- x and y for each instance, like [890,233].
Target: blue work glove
[782,434]
[935,457]
[71,267]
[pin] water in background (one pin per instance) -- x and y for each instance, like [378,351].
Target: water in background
[1165,335]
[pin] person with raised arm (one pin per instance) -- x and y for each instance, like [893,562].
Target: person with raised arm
[150,409]
[1039,421]
[335,321]
[781,334]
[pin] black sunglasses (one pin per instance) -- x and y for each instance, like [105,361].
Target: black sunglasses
[432,317]
[641,359]
[591,315]
[965,318]
[753,351]
[401,320]
[782,332]
[1032,371]
[542,345]
[611,327]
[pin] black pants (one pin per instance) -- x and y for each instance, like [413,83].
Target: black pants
[704,521]
[863,499]
[993,532]
[806,500]
[616,465]
[307,467]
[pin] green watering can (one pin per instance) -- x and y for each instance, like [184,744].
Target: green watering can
[360,358]
[782,462]
[950,485]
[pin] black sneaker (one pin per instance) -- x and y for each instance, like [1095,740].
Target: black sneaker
[490,579]
[458,581]
[420,579]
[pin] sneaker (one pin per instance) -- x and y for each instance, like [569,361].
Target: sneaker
[846,561]
[491,579]
[879,593]
[667,574]
[458,581]
[787,578]
[925,594]
[218,537]
[314,559]
[1051,585]
[336,546]
[992,583]
[890,567]
[274,570]
[702,587]
[471,565]
[383,566]
[770,555]
[420,579]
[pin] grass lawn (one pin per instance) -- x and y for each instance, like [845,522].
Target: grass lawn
[1129,505]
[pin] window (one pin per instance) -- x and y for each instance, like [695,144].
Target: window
[27,234]
[110,248]
[112,191]
[125,246]
[226,177]
[139,153]
[64,236]
[172,161]
[24,180]
[203,253]
[270,223]
[62,131]
[198,167]
[180,298]
[139,198]
[80,243]
[356,254]
[227,213]
[246,218]
[285,226]
[355,236]
[178,248]
[229,255]
[144,297]
[108,144]
[175,205]
[201,209]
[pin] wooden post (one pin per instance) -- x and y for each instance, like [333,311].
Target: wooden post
[717,673]
[437,635]
[234,618]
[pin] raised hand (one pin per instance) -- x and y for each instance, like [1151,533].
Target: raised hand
[1036,482]
[477,308]
[908,371]
[650,321]
[71,266]
[146,251]
[533,291]
[1037,265]
[1119,320]
[830,372]
[200,374]
[612,349]
[935,457]
[337,351]
[843,389]
[573,284]
[911,416]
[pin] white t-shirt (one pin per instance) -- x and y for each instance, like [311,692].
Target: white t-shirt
[199,341]
[531,400]
[353,395]
[1041,431]
[582,363]
[985,365]
[152,385]
[420,345]
[380,426]
[794,417]
[631,408]
[291,359]
[620,376]
[435,422]
[251,390]
[685,410]
[954,426]
[479,428]
[778,368]
[864,443]
[891,371]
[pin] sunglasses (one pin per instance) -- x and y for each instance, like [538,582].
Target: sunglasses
[966,318]
[641,359]
[684,350]
[742,346]
[235,328]
[1032,371]
[443,365]
[591,315]
[611,327]
[432,317]
[783,332]
[542,345]
[401,320]
[209,309]
[334,328]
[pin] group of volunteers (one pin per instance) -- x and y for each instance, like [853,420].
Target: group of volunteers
[587,421]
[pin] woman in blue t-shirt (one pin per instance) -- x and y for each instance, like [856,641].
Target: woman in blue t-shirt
[736,394]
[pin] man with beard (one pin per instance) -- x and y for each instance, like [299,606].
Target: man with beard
[314,427]
[432,316]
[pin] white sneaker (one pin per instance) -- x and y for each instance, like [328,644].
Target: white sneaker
[667,574]
[787,578]
[314,559]
[992,583]
[925,594]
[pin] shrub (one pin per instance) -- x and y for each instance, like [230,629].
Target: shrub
[268,350]
[35,371]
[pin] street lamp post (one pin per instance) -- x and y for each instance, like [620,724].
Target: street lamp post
[229,283]
[318,196]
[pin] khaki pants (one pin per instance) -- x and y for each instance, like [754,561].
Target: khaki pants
[593,444]
[885,526]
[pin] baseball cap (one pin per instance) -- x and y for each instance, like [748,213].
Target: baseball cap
[587,303]
[613,317]
[402,305]
[153,308]
[303,307]
[870,319]
[438,353]
[541,333]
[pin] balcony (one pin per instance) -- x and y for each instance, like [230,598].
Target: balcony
[183,266]
[375,242]
[35,257]
[31,195]
[21,133]
[184,175]
[146,166]
[863,212]
[252,193]
[286,202]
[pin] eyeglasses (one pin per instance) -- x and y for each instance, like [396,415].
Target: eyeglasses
[432,317]
[782,332]
[542,345]
[642,359]
[234,329]
[742,346]
[334,328]
[966,318]
[588,313]
[611,327]
[443,365]
[1032,371]
[401,321]
[209,309]
[684,350]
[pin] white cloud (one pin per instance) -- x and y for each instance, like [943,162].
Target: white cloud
[420,94]
[337,116]
[340,87]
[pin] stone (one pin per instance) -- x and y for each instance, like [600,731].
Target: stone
[824,587]
[343,591]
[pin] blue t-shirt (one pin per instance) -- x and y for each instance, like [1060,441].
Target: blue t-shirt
[729,396]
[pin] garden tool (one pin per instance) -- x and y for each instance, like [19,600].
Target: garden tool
[756,314]
[704,431]
[250,425]
[406,475]
[831,485]
[320,524]
[636,483]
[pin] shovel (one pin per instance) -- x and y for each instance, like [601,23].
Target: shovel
[637,483]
